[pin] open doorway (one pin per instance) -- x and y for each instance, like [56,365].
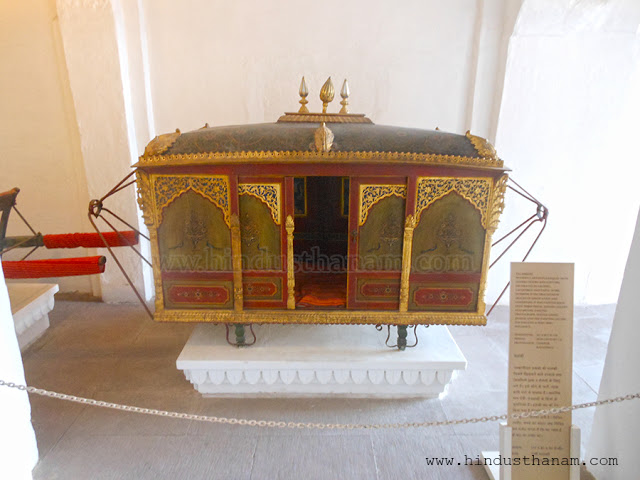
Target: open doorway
[321,241]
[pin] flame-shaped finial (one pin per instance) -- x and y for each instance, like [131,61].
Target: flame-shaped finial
[304,91]
[344,93]
[327,92]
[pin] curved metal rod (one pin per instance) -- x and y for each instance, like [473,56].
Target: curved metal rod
[386,342]
[544,225]
[116,188]
[415,334]
[115,259]
[122,237]
[105,209]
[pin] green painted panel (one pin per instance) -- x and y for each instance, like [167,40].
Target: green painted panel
[261,237]
[449,238]
[380,238]
[193,236]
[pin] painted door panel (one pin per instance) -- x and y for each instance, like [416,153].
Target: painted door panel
[376,221]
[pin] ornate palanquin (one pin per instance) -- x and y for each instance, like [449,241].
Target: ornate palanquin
[320,218]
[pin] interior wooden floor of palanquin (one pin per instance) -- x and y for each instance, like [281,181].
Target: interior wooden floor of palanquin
[115,353]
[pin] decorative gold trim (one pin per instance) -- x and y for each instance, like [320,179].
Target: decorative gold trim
[268,193]
[161,143]
[291,279]
[169,187]
[372,194]
[236,261]
[482,146]
[344,317]
[211,158]
[323,138]
[497,203]
[475,190]
[497,206]
[407,247]
[293,117]
[145,197]
[157,272]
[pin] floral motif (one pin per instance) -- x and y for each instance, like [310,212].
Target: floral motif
[269,193]
[475,190]
[372,194]
[169,187]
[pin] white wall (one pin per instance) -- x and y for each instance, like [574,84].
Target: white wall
[39,145]
[568,129]
[408,63]
[97,63]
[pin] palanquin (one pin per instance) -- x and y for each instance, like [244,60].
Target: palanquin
[320,218]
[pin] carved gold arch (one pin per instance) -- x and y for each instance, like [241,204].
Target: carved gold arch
[169,187]
[372,194]
[475,190]
[268,193]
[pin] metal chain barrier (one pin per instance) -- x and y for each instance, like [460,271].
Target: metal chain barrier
[319,426]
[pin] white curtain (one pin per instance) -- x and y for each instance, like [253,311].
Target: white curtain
[568,128]
[615,427]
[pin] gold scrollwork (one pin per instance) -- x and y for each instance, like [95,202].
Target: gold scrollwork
[323,138]
[161,143]
[144,198]
[350,317]
[268,193]
[169,187]
[475,190]
[372,194]
[497,204]
[209,158]
[482,146]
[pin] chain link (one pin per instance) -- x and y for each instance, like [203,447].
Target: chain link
[317,426]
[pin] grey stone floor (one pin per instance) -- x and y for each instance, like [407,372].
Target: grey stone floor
[115,353]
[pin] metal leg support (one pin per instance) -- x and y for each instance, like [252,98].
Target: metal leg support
[240,341]
[402,337]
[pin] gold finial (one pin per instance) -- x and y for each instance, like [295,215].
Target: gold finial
[344,93]
[327,92]
[304,91]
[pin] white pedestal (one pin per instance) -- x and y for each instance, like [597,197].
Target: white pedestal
[320,360]
[496,472]
[30,307]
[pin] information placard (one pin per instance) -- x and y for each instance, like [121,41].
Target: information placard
[540,368]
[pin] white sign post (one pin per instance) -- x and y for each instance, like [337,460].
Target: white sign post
[540,374]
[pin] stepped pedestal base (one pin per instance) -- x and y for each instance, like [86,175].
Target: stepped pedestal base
[30,307]
[320,360]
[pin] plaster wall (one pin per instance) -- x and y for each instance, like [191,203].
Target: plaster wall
[39,143]
[567,128]
[98,74]
[408,63]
